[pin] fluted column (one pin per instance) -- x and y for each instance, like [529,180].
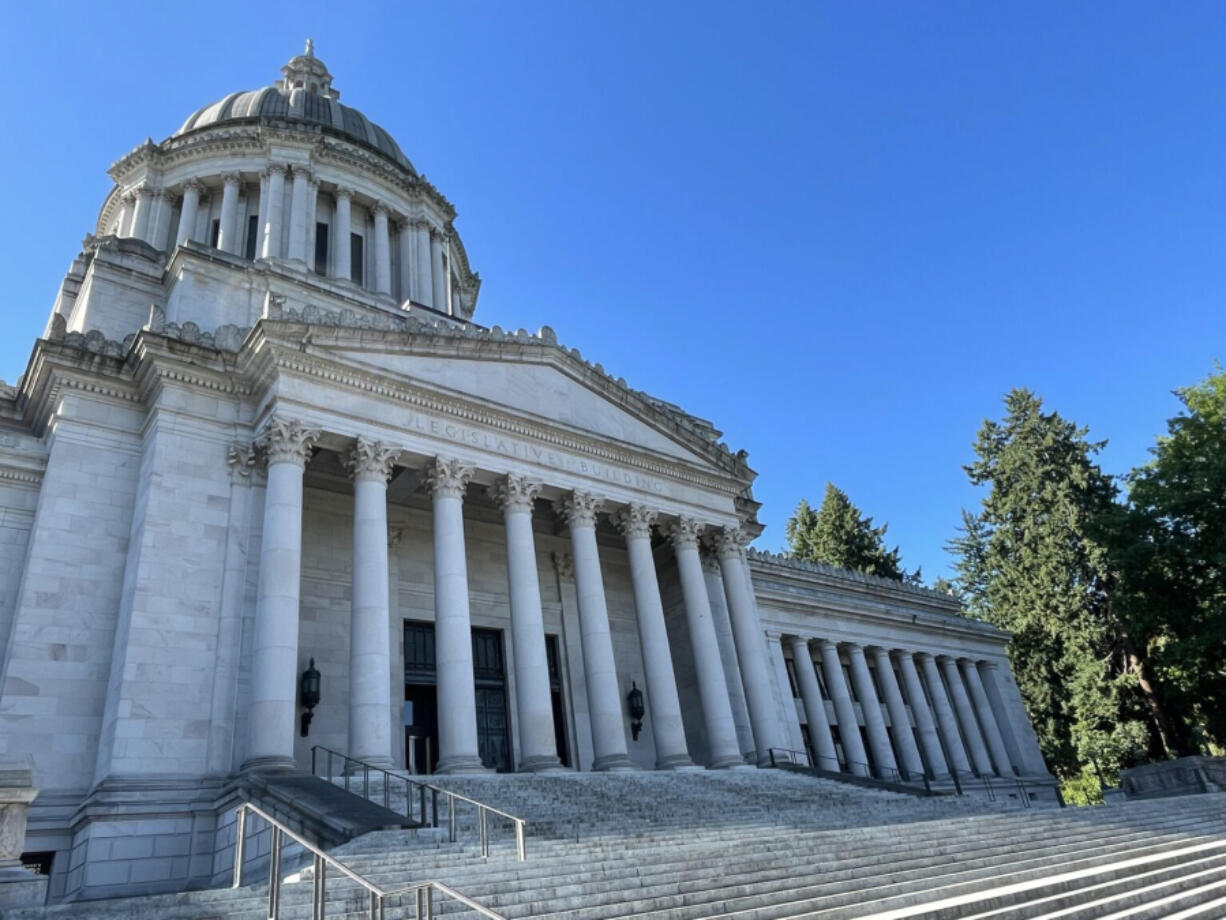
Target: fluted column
[966,716]
[815,706]
[159,218]
[311,211]
[424,292]
[383,251]
[750,643]
[227,237]
[924,726]
[453,642]
[274,654]
[140,213]
[947,722]
[187,212]
[727,646]
[600,669]
[663,704]
[844,709]
[533,701]
[342,228]
[870,710]
[723,750]
[123,223]
[904,737]
[404,240]
[438,275]
[274,220]
[370,465]
[987,719]
[298,214]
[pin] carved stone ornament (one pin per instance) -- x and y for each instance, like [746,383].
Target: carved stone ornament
[302,172]
[342,192]
[706,555]
[635,521]
[272,168]
[231,179]
[379,207]
[515,493]
[732,542]
[565,564]
[287,441]
[241,458]
[370,460]
[394,536]
[580,509]
[447,478]
[193,185]
[684,532]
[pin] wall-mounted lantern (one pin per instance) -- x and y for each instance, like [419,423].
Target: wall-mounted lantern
[308,694]
[637,710]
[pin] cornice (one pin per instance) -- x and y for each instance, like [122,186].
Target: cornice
[30,477]
[768,561]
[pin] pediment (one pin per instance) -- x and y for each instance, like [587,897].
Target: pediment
[546,386]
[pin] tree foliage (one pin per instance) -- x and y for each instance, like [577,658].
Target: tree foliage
[839,534]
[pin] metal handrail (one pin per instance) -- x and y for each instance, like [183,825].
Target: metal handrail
[422,788]
[882,774]
[377,895]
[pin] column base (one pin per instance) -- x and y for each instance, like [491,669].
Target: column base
[612,762]
[270,762]
[353,768]
[676,762]
[540,764]
[462,763]
[727,763]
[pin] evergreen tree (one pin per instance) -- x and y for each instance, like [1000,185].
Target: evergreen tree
[839,535]
[1033,562]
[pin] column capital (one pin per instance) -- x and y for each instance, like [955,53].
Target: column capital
[231,178]
[241,460]
[156,193]
[437,234]
[985,665]
[731,543]
[447,478]
[193,185]
[370,460]
[302,172]
[579,509]
[797,641]
[708,558]
[827,645]
[128,197]
[274,169]
[342,191]
[379,207]
[287,440]
[635,521]
[515,493]
[684,532]
[921,657]
[903,654]
[854,648]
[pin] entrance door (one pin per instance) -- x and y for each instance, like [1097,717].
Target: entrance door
[555,692]
[489,671]
[420,698]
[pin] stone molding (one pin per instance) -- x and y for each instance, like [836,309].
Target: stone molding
[368,459]
[287,441]
[579,509]
[635,521]
[731,542]
[821,568]
[228,177]
[684,532]
[515,493]
[447,477]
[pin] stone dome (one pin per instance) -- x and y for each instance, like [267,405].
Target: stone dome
[303,94]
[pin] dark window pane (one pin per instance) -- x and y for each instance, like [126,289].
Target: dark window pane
[253,231]
[356,262]
[321,249]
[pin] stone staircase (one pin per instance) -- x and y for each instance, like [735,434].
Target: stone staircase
[762,845]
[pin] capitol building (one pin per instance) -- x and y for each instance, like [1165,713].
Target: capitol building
[267,484]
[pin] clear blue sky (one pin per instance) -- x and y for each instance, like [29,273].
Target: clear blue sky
[841,231]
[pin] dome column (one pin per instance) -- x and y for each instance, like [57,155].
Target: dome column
[187,212]
[405,241]
[383,251]
[343,229]
[437,272]
[298,215]
[271,243]
[140,213]
[227,236]
[424,291]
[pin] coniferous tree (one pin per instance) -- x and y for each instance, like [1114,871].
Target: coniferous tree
[839,535]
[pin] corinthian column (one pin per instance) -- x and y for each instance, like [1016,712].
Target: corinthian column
[533,702]
[424,291]
[370,464]
[274,656]
[600,669]
[667,728]
[187,213]
[383,251]
[140,213]
[342,230]
[228,235]
[298,214]
[722,747]
[750,643]
[437,271]
[404,240]
[453,642]
[815,706]
[273,221]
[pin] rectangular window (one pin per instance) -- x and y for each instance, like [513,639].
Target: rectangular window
[321,249]
[791,669]
[215,233]
[253,232]
[356,259]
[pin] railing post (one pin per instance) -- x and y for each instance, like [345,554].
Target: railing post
[421,790]
[365,781]
[451,816]
[519,840]
[345,769]
[387,786]
[240,845]
[434,808]
[314,748]
[425,903]
[485,837]
[274,875]
[318,888]
[330,773]
[376,906]
[957,783]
